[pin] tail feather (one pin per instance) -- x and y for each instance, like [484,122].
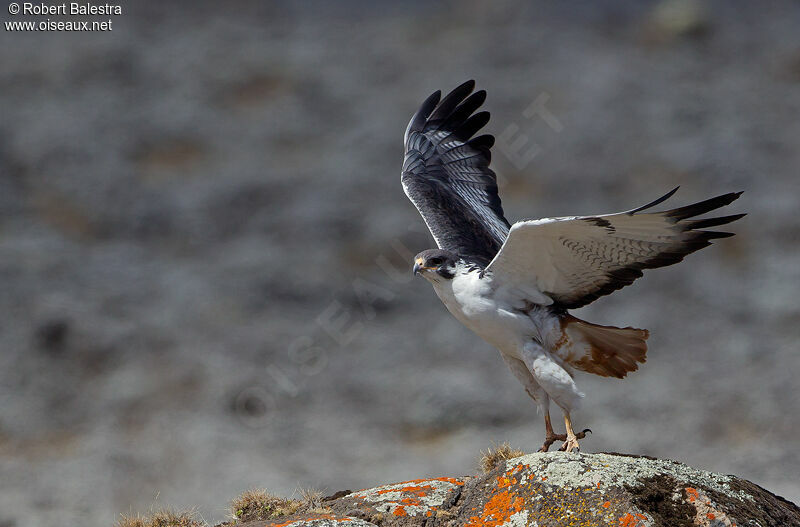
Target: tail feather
[607,351]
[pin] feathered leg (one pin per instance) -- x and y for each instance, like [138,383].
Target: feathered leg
[557,384]
[538,395]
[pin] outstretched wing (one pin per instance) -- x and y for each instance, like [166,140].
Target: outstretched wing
[446,174]
[575,260]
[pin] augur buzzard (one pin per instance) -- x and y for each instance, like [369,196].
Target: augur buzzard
[514,284]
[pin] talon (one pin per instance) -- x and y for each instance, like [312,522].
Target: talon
[570,445]
[550,439]
[582,434]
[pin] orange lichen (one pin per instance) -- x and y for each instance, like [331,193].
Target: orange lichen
[410,498]
[606,504]
[498,510]
[502,505]
[631,520]
[691,493]
[503,481]
[706,511]
[419,490]
[409,486]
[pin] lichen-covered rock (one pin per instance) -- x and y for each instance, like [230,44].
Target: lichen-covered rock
[560,490]
[416,500]
[313,520]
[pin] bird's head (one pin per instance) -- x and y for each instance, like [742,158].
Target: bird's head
[434,264]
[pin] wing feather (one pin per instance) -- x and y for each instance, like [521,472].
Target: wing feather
[446,174]
[576,260]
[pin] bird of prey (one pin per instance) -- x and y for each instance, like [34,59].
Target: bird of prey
[513,284]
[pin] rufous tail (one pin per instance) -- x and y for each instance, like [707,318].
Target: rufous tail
[603,350]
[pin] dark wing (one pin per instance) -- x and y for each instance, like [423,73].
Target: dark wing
[573,261]
[446,175]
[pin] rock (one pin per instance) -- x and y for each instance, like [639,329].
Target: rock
[561,489]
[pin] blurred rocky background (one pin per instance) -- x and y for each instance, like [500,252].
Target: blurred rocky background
[205,251]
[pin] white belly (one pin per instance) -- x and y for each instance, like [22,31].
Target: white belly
[472,301]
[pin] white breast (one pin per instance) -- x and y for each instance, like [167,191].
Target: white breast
[472,300]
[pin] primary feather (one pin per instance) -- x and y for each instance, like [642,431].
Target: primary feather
[446,174]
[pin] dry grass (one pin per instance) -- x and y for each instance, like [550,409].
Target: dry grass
[311,497]
[258,504]
[498,454]
[312,501]
[253,505]
[162,518]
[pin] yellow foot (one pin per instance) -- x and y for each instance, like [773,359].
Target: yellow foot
[571,442]
[570,445]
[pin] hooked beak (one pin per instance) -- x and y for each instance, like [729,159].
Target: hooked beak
[418,267]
